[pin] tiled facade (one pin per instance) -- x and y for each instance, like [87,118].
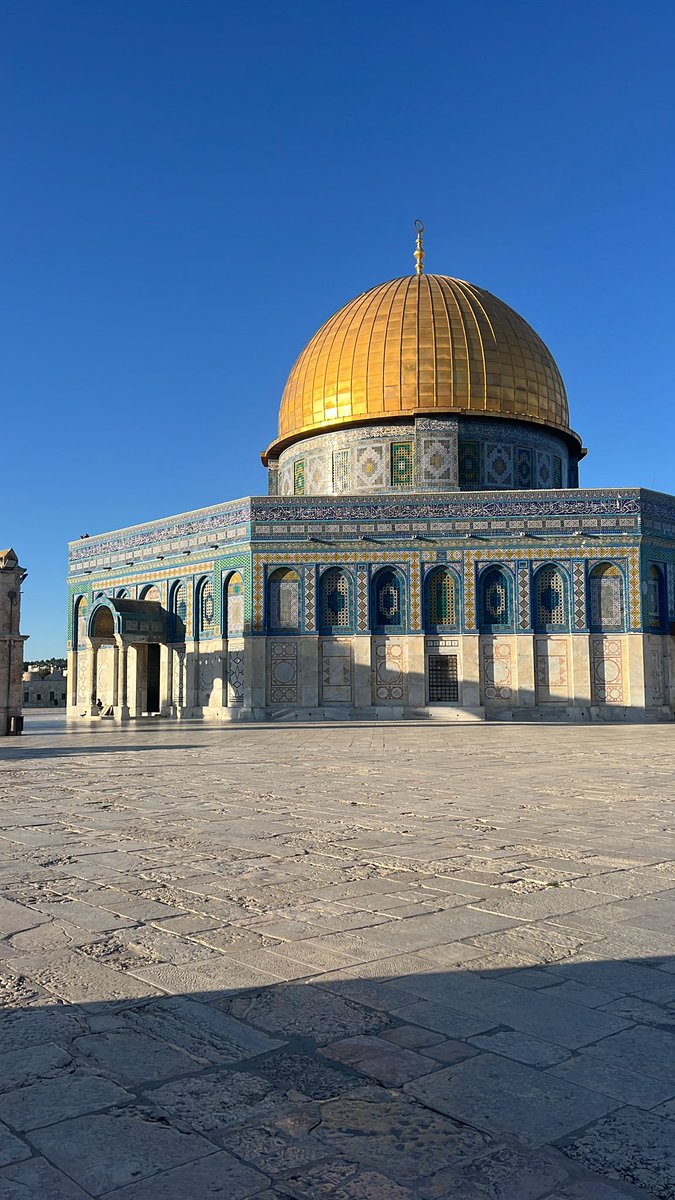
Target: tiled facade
[544,600]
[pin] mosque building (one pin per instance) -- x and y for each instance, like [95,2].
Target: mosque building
[425,548]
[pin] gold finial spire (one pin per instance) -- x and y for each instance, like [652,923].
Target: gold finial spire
[419,251]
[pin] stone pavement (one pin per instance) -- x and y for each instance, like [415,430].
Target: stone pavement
[392,962]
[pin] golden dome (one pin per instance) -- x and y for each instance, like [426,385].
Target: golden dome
[421,345]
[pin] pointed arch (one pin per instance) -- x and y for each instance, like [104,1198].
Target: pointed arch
[550,599]
[336,601]
[388,600]
[607,604]
[441,599]
[233,605]
[496,600]
[283,601]
[178,610]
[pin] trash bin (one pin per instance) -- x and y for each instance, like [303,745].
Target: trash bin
[16,724]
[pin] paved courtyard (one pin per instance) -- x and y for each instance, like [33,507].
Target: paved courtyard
[392,962]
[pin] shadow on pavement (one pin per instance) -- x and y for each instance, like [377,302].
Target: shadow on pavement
[365,1083]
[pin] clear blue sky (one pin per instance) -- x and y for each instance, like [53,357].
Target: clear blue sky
[191,187]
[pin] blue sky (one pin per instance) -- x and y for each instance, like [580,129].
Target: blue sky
[191,187]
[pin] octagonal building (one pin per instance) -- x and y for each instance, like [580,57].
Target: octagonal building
[425,548]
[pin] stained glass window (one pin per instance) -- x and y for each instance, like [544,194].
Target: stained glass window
[299,477]
[340,470]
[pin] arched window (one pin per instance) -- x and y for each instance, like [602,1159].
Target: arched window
[283,601]
[178,611]
[122,594]
[151,592]
[205,609]
[388,600]
[336,601]
[234,606]
[550,607]
[606,599]
[496,604]
[441,594]
[656,606]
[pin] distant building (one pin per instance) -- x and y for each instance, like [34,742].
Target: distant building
[11,642]
[425,547]
[49,692]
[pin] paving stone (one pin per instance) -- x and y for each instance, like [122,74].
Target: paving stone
[306,1074]
[73,977]
[277,1143]
[68,1094]
[342,1181]
[36,1179]
[202,1030]
[110,1150]
[443,1019]
[506,1174]
[391,1133]
[11,1148]
[522,1047]
[412,1037]
[16,917]
[502,1096]
[30,1064]
[218,1177]
[629,1145]
[132,1058]
[209,1103]
[391,1065]
[608,1077]
[644,1050]
[306,1012]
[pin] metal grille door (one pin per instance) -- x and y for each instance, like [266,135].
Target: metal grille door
[443,684]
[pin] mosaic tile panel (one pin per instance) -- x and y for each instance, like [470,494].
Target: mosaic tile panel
[371,466]
[655,689]
[523,467]
[498,466]
[299,477]
[310,599]
[469,464]
[438,461]
[283,672]
[362,597]
[82,699]
[579,584]
[524,597]
[178,677]
[607,672]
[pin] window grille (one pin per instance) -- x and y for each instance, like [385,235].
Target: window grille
[340,470]
[335,600]
[469,464]
[549,605]
[207,608]
[496,598]
[284,601]
[557,472]
[443,681]
[178,609]
[299,477]
[402,464]
[606,596]
[388,600]
[442,601]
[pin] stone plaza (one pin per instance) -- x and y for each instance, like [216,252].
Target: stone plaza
[394,961]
